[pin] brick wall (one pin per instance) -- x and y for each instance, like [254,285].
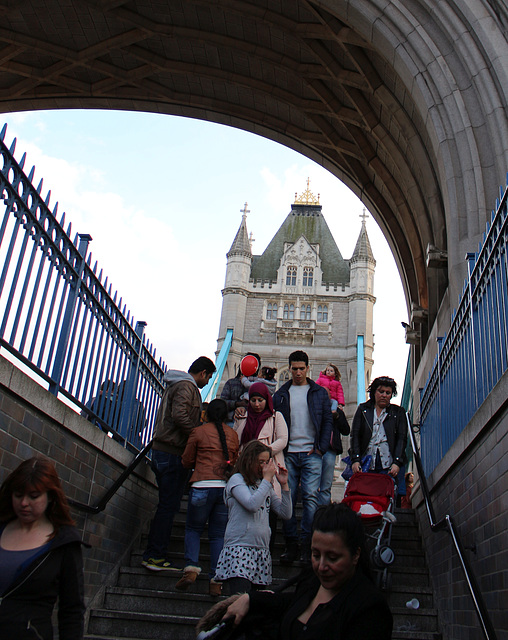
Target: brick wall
[471,485]
[87,460]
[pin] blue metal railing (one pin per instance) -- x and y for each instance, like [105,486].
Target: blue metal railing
[473,356]
[208,392]
[60,319]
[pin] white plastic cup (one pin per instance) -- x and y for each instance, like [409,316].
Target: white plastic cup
[413,604]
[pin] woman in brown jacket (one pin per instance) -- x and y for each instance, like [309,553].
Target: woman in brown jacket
[212,450]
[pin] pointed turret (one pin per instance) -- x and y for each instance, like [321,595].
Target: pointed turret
[241,244]
[363,250]
[361,309]
[235,292]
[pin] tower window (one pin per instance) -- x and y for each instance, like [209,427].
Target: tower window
[271,311]
[291,277]
[305,312]
[289,312]
[322,313]
[308,276]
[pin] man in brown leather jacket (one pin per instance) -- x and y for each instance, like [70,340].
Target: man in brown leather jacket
[178,413]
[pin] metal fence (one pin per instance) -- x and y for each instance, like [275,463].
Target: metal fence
[60,319]
[474,355]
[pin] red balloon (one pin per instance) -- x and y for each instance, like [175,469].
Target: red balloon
[249,365]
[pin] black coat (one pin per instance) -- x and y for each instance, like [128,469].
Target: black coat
[27,604]
[358,612]
[319,409]
[395,425]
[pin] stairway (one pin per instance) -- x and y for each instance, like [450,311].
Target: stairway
[144,604]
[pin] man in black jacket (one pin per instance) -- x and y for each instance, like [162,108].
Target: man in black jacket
[306,408]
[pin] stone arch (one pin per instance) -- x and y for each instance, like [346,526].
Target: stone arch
[404,101]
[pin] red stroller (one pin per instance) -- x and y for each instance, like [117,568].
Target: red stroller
[372,497]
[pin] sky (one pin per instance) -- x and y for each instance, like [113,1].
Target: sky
[162,197]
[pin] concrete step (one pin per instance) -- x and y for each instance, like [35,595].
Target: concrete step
[139,577]
[144,604]
[411,633]
[149,626]
[419,620]
[190,603]
[400,594]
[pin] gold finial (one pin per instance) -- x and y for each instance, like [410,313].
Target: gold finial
[307,196]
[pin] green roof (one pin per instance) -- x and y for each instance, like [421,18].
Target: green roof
[304,220]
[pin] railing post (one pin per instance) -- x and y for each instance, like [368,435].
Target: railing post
[471,261]
[56,374]
[360,370]
[128,396]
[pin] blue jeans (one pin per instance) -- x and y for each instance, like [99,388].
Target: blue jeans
[305,471]
[171,479]
[206,503]
[325,486]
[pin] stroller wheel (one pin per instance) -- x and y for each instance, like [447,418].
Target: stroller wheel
[382,556]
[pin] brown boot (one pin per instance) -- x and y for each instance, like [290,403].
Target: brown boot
[190,574]
[215,588]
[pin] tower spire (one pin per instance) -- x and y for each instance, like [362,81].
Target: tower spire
[242,243]
[363,250]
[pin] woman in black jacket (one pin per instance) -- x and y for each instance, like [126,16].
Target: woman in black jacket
[380,430]
[337,600]
[40,557]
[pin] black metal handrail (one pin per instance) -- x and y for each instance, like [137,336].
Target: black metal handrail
[446,524]
[102,502]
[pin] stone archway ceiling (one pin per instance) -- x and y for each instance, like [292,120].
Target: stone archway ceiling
[287,70]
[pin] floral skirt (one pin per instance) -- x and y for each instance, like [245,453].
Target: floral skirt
[252,563]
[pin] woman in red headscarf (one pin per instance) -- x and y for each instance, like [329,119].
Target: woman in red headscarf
[264,424]
[269,427]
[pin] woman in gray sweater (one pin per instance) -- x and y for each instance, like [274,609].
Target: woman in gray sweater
[245,561]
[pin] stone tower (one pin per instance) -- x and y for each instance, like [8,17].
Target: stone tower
[300,293]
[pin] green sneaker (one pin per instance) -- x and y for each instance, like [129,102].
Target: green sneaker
[159,564]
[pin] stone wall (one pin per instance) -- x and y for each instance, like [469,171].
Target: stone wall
[471,485]
[34,421]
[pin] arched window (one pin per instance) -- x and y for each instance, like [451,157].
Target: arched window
[308,276]
[305,312]
[286,312]
[322,313]
[291,277]
[291,311]
[271,311]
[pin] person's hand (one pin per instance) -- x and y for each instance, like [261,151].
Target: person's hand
[356,467]
[240,412]
[238,609]
[282,476]
[269,470]
[315,451]
[394,470]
